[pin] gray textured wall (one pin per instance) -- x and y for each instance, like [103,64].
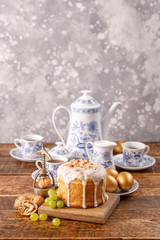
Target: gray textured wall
[52,49]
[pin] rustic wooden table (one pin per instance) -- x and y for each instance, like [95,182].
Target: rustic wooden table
[136,217]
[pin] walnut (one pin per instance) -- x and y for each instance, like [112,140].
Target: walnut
[39,200]
[19,200]
[27,207]
[29,195]
[44,182]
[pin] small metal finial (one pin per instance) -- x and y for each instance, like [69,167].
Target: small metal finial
[44,153]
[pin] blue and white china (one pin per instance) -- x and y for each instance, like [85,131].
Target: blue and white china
[16,153]
[52,166]
[131,190]
[29,145]
[134,152]
[60,150]
[102,152]
[147,162]
[85,123]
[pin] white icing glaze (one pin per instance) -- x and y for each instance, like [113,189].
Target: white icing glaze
[95,195]
[68,200]
[106,195]
[84,194]
[89,170]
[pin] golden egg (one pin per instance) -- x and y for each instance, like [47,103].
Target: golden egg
[118,149]
[125,181]
[112,172]
[111,184]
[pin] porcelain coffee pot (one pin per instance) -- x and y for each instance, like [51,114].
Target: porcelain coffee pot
[86,123]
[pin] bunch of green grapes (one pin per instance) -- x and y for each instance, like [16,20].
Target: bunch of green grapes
[52,201]
[43,217]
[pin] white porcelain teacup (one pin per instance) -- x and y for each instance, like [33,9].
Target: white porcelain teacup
[52,166]
[133,153]
[29,144]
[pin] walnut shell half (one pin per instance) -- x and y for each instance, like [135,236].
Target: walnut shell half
[19,200]
[27,207]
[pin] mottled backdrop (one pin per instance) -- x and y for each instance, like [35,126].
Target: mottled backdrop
[52,49]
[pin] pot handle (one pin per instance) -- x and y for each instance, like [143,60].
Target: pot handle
[53,121]
[88,152]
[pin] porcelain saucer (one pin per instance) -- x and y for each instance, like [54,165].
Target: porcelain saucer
[147,162]
[133,189]
[33,175]
[16,153]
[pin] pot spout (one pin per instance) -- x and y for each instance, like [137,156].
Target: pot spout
[106,119]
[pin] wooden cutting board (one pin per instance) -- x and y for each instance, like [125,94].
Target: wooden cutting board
[96,215]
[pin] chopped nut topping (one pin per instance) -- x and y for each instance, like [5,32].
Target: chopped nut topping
[81,164]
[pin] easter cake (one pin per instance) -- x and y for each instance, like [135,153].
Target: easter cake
[81,183]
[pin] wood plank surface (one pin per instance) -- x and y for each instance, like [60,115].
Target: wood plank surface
[121,225]
[137,216]
[12,166]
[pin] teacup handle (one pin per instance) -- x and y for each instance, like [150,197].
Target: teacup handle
[37,163]
[88,153]
[147,150]
[16,141]
[53,120]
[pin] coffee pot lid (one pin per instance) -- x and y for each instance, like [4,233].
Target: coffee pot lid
[85,101]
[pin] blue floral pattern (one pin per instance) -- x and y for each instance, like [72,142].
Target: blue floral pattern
[92,126]
[104,158]
[16,153]
[132,158]
[83,110]
[30,148]
[81,133]
[86,101]
[58,152]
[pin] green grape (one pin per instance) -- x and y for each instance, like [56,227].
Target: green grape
[47,200]
[53,196]
[60,203]
[43,217]
[56,222]
[52,204]
[51,191]
[34,217]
